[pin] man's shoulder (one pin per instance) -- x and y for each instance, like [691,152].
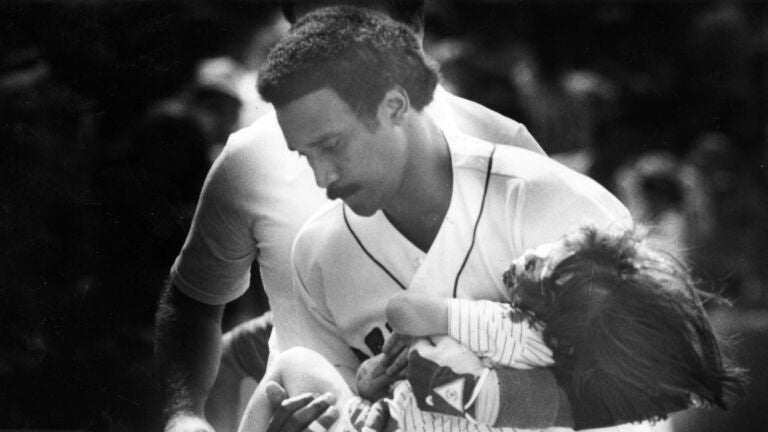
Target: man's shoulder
[526,165]
[265,130]
[481,114]
[475,154]
[517,168]
[258,153]
[471,118]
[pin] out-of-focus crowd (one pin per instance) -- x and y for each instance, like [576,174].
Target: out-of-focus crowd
[112,112]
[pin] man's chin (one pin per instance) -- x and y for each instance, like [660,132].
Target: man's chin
[361,209]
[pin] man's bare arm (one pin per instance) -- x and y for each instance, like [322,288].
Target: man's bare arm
[187,353]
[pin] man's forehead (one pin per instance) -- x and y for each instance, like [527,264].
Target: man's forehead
[312,118]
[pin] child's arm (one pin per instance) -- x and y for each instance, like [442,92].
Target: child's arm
[507,397]
[417,314]
[499,333]
[489,329]
[299,374]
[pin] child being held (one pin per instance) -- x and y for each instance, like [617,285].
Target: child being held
[623,322]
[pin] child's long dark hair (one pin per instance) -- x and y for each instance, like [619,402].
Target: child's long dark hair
[630,337]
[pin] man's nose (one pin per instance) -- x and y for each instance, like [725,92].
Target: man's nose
[325,173]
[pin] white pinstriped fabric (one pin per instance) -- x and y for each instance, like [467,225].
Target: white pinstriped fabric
[496,332]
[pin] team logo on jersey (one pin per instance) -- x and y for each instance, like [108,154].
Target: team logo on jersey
[452,393]
[374,341]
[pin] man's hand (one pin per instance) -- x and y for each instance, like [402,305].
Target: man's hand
[188,423]
[393,349]
[297,413]
[367,417]
[375,375]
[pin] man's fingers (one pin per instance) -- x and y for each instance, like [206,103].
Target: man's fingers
[292,404]
[397,367]
[295,414]
[357,416]
[395,343]
[284,412]
[395,350]
[275,394]
[369,418]
[325,421]
[377,418]
[391,340]
[321,413]
[375,365]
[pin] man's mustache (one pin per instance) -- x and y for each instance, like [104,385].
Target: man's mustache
[334,192]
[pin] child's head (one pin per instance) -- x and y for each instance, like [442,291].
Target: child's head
[626,324]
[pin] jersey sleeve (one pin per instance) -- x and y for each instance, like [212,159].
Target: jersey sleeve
[550,200]
[476,120]
[522,138]
[214,264]
[499,333]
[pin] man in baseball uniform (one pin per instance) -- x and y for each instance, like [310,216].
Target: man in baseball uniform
[421,207]
[256,197]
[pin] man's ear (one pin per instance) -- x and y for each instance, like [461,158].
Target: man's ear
[395,105]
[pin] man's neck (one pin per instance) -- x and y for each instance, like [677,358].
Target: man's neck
[422,202]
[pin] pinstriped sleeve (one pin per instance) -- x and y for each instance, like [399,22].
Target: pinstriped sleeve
[496,331]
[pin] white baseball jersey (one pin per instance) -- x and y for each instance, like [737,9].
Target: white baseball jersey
[347,267]
[258,194]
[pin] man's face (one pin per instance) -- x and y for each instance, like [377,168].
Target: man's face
[361,164]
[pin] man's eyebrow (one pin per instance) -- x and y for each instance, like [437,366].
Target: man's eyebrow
[318,141]
[322,139]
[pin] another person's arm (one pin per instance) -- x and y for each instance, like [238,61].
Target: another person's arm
[245,353]
[187,349]
[302,373]
[295,376]
[491,330]
[212,269]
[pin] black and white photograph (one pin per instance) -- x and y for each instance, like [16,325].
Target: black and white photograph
[383,215]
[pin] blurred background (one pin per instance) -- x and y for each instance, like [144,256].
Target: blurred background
[112,111]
